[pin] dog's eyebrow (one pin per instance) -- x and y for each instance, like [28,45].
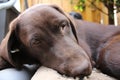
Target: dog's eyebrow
[64,20]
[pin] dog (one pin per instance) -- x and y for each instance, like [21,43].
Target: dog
[104,42]
[45,35]
[51,40]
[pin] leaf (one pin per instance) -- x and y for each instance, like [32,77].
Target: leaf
[81,9]
[76,7]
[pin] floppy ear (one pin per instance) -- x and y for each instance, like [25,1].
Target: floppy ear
[10,47]
[71,22]
[13,47]
[12,51]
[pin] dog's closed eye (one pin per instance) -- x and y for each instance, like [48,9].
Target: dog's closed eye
[35,41]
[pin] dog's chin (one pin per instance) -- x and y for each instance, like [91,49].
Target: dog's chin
[76,77]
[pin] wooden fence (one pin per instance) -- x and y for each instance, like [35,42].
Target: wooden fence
[90,13]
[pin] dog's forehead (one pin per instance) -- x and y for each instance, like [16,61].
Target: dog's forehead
[42,13]
[39,17]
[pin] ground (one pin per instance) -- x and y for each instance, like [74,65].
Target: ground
[44,73]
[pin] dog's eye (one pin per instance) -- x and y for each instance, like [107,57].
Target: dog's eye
[63,25]
[35,42]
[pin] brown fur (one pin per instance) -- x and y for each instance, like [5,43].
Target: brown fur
[104,41]
[44,34]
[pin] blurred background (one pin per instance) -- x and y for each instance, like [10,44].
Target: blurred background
[92,10]
[98,11]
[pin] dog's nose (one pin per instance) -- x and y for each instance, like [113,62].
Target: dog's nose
[79,70]
[86,71]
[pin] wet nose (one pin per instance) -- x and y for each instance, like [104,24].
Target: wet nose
[86,71]
[80,70]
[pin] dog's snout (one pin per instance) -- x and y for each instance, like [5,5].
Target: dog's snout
[87,70]
[78,69]
[82,70]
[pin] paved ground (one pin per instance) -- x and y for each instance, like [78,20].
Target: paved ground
[44,73]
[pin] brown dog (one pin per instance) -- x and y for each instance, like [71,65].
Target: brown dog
[104,41]
[44,34]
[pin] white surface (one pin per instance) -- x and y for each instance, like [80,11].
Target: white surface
[44,73]
[13,74]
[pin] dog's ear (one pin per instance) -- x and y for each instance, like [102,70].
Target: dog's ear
[16,49]
[5,52]
[11,48]
[71,22]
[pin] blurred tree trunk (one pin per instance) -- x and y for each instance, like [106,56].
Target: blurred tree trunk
[110,6]
[111,14]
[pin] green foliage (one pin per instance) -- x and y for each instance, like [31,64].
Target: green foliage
[118,5]
[108,3]
[80,5]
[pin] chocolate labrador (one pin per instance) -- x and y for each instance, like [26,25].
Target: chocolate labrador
[44,34]
[104,41]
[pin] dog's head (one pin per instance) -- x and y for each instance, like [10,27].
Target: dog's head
[44,33]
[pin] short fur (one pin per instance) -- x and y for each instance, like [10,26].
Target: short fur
[45,35]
